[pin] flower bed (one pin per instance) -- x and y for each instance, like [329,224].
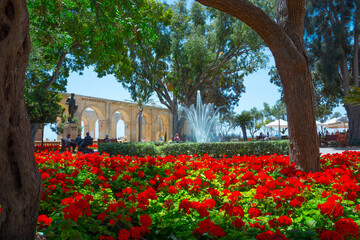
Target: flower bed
[97,197]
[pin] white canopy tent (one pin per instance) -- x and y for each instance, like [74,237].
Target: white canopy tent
[340,122]
[277,123]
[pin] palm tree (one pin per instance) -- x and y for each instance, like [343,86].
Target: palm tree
[243,120]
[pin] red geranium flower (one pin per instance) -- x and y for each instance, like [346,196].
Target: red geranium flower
[145,220]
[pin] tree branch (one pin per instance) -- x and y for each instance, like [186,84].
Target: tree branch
[59,65]
[274,35]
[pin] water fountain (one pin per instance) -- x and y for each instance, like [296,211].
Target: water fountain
[202,119]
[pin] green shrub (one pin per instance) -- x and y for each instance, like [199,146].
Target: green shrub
[129,149]
[216,150]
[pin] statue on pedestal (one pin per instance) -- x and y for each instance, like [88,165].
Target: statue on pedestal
[72,107]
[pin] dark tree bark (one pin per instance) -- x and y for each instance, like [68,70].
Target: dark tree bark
[140,123]
[20,180]
[34,128]
[353,113]
[285,40]
[243,129]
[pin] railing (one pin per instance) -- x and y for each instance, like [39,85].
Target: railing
[48,143]
[54,143]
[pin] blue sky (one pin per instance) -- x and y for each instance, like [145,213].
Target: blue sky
[258,88]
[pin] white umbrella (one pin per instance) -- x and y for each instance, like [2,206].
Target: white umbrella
[276,123]
[340,122]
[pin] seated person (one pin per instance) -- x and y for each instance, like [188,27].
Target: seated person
[69,143]
[78,140]
[84,144]
[107,139]
[176,138]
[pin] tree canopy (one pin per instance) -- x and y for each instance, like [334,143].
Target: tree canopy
[198,49]
[332,39]
[71,35]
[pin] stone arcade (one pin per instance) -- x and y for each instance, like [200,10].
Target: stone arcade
[156,120]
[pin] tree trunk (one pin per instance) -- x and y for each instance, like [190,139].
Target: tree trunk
[353,113]
[178,122]
[298,93]
[34,128]
[243,129]
[140,125]
[20,180]
[284,37]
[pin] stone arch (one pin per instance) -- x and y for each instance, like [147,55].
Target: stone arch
[114,123]
[161,126]
[84,124]
[99,113]
[93,121]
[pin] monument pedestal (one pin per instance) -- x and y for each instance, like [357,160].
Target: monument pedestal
[72,129]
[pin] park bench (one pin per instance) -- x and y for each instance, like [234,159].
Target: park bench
[342,140]
[329,138]
[113,140]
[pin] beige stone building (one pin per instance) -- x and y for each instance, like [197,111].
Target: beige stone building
[101,116]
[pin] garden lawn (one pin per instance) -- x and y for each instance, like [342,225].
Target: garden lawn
[100,197]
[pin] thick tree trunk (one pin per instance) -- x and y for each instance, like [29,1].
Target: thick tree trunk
[353,113]
[20,180]
[299,98]
[140,125]
[178,121]
[243,129]
[34,128]
[284,37]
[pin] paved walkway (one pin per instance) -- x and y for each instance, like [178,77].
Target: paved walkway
[326,150]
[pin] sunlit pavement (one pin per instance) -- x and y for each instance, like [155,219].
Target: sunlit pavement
[326,150]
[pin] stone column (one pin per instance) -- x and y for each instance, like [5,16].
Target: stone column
[102,128]
[108,125]
[128,127]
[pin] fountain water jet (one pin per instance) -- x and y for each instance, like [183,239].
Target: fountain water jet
[202,119]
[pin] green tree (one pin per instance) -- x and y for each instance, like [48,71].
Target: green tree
[278,111]
[42,106]
[335,115]
[257,121]
[284,37]
[202,49]
[226,123]
[243,120]
[70,35]
[20,180]
[332,38]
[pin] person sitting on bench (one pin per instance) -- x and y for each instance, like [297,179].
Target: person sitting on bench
[85,143]
[107,139]
[69,143]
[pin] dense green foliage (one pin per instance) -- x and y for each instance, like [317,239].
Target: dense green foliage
[69,35]
[216,150]
[140,149]
[243,120]
[42,105]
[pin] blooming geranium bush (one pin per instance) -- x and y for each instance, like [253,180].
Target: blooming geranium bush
[191,197]
[40,148]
